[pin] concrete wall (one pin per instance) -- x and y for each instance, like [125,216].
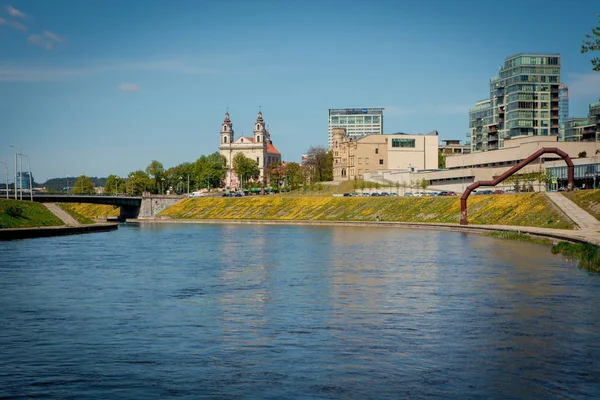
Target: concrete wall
[154,204]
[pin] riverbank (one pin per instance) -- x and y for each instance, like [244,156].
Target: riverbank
[48,231]
[25,214]
[527,209]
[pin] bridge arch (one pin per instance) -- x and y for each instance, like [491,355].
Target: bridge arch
[528,160]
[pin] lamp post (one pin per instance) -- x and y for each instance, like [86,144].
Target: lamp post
[30,182]
[162,185]
[81,177]
[132,179]
[180,184]
[6,167]
[17,151]
[67,184]
[116,185]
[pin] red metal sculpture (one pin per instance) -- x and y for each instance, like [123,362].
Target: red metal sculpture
[543,150]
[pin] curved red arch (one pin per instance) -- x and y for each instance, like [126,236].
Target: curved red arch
[543,150]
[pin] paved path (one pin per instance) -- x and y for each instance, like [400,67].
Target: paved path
[62,214]
[581,217]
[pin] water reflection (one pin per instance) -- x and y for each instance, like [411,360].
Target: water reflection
[229,311]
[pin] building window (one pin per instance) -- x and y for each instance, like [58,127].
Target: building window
[224,139]
[258,160]
[376,151]
[258,139]
[403,143]
[381,161]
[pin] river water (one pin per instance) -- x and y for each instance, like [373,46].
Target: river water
[277,312]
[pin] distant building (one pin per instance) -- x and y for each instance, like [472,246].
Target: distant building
[524,101]
[358,122]
[352,159]
[584,129]
[563,110]
[23,180]
[259,148]
[453,147]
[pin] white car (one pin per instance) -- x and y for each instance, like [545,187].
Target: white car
[196,194]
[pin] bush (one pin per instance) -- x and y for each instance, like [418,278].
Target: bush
[14,210]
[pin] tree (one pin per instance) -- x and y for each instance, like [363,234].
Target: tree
[155,169]
[592,43]
[293,176]
[320,164]
[245,168]
[441,160]
[137,182]
[83,185]
[424,183]
[582,154]
[209,171]
[275,172]
[114,185]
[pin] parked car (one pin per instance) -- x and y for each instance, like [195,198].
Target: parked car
[509,191]
[408,194]
[498,191]
[196,194]
[375,194]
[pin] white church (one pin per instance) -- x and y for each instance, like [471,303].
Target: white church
[259,148]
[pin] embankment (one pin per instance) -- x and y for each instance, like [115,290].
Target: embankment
[529,209]
[25,214]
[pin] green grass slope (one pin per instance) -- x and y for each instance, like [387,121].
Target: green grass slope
[530,209]
[25,214]
[589,200]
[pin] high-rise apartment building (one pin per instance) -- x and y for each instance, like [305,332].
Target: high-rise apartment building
[584,129]
[358,122]
[563,109]
[524,101]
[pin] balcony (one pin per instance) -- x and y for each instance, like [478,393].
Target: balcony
[493,138]
[492,129]
[492,147]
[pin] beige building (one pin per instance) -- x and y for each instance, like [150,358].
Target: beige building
[352,159]
[259,148]
[462,170]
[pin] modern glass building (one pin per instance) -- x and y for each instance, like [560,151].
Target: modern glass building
[584,129]
[563,109]
[358,122]
[524,101]
[23,180]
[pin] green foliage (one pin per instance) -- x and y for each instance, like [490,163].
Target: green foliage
[137,183]
[209,171]
[275,173]
[177,177]
[587,254]
[441,160]
[25,214]
[582,154]
[589,200]
[424,183]
[114,185]
[245,168]
[319,164]
[521,237]
[592,43]
[293,176]
[83,185]
[155,170]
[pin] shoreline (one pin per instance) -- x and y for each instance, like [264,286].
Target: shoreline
[576,236]
[50,231]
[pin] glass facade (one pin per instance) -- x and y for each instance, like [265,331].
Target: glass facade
[403,143]
[358,122]
[563,109]
[524,101]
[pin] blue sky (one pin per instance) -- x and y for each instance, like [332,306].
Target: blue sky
[104,87]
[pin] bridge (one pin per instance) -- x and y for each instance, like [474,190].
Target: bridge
[131,206]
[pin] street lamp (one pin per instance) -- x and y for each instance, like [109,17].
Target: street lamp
[132,179]
[17,151]
[6,167]
[67,184]
[162,185]
[116,185]
[30,182]
[81,177]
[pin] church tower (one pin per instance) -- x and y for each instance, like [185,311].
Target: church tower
[226,131]
[260,132]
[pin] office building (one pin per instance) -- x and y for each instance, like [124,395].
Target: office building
[584,129]
[352,159]
[358,122]
[523,101]
[563,109]
[23,180]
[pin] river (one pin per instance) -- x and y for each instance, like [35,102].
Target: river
[276,312]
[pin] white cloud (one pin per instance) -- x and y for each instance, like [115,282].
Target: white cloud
[54,36]
[2,21]
[19,26]
[13,12]
[584,85]
[129,87]
[31,73]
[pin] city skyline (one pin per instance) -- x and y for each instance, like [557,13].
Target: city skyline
[107,87]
